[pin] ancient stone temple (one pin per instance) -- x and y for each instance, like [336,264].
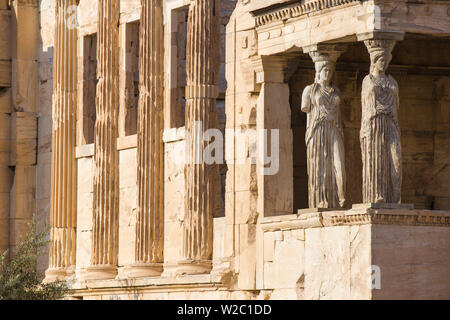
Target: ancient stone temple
[229,149]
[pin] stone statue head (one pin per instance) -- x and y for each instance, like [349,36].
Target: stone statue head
[380,61]
[325,64]
[324,71]
[380,54]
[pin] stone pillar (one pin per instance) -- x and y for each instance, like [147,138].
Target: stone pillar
[324,133]
[24,133]
[202,67]
[105,207]
[150,215]
[63,182]
[274,162]
[275,146]
[5,124]
[380,132]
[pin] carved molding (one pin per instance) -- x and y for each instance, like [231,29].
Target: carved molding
[357,217]
[299,10]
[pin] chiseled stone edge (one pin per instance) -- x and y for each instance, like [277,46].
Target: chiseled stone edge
[299,10]
[150,283]
[357,217]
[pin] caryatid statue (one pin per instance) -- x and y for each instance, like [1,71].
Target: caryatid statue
[324,135]
[380,133]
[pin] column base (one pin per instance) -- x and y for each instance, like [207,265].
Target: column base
[194,267]
[57,274]
[142,270]
[101,272]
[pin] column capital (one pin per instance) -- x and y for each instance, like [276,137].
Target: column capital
[325,52]
[375,47]
[273,69]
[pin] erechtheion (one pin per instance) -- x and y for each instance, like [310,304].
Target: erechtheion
[223,149]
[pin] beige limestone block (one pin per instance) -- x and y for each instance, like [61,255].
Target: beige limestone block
[127,168]
[219,239]
[5,73]
[25,91]
[84,211]
[5,100]
[269,247]
[327,269]
[18,230]
[289,261]
[6,176]
[247,256]
[83,253]
[23,139]
[172,242]
[360,262]
[127,243]
[5,41]
[24,179]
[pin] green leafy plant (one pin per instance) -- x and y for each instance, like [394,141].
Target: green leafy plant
[19,279]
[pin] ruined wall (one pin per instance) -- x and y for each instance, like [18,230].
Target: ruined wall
[5,122]
[424,82]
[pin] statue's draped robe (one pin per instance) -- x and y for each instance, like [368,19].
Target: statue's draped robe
[325,149]
[380,140]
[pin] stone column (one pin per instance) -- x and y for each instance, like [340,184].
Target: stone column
[380,131]
[150,218]
[202,67]
[324,133]
[105,206]
[63,182]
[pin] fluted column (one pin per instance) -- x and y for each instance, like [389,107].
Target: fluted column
[150,218]
[63,177]
[105,206]
[202,67]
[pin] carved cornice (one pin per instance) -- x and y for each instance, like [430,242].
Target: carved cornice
[297,10]
[371,216]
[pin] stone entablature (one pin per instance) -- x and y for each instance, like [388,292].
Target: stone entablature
[293,26]
[295,10]
[361,214]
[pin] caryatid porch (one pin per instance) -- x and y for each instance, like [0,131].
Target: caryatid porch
[365,185]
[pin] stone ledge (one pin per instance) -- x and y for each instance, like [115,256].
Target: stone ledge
[362,214]
[174,134]
[128,142]
[155,282]
[84,151]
